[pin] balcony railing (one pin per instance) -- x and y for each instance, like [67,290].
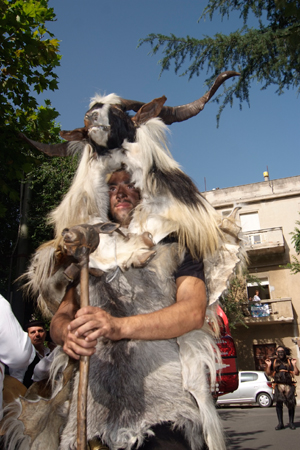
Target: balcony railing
[264,241]
[281,311]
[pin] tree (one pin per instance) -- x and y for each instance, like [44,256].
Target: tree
[295,264]
[31,184]
[269,54]
[235,300]
[28,55]
[49,183]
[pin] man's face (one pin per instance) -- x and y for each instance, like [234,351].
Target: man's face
[37,335]
[280,353]
[124,197]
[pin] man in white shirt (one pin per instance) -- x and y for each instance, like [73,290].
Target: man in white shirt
[15,345]
[37,335]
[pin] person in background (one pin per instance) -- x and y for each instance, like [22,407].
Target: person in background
[256,298]
[282,369]
[16,349]
[37,334]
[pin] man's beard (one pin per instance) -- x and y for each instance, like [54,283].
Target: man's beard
[119,218]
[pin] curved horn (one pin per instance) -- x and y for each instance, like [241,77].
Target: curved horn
[171,114]
[49,149]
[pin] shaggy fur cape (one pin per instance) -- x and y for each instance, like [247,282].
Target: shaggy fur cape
[133,384]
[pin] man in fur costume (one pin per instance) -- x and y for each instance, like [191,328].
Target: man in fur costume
[283,369]
[151,348]
[80,336]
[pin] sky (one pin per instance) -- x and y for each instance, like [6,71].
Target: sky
[100,54]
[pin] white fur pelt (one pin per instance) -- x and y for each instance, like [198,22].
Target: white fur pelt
[33,422]
[134,384]
[196,224]
[161,212]
[13,428]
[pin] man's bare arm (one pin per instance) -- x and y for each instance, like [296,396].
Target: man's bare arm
[188,313]
[268,367]
[296,370]
[78,330]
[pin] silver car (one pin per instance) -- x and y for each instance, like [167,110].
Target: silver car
[254,387]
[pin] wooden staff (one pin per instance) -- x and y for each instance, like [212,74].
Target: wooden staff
[79,242]
[84,363]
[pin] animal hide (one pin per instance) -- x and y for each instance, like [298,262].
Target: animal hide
[134,384]
[170,203]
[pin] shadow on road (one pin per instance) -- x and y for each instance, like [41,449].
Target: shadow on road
[238,441]
[230,414]
[248,428]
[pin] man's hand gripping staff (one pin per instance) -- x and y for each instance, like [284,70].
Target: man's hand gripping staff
[79,242]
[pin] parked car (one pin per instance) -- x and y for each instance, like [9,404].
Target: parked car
[254,387]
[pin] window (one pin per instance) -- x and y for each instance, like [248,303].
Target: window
[248,376]
[261,353]
[249,222]
[264,289]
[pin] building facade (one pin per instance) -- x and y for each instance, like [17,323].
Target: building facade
[267,215]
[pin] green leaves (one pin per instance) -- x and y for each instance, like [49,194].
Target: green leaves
[296,238]
[28,55]
[269,54]
[49,183]
[28,58]
[294,266]
[235,300]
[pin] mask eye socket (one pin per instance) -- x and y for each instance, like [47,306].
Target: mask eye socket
[105,127]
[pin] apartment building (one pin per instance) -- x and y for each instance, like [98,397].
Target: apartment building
[267,215]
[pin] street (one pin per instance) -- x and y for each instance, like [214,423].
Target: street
[252,427]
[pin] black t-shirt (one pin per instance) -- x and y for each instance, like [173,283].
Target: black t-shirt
[190,268]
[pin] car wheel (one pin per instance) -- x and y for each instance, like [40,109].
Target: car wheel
[264,400]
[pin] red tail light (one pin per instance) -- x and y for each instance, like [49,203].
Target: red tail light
[228,383]
[269,384]
[226,346]
[228,379]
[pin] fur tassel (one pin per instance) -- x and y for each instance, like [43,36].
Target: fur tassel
[13,429]
[199,354]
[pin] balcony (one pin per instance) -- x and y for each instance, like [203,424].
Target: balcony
[264,241]
[281,311]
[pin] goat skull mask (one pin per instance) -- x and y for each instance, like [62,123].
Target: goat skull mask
[107,125]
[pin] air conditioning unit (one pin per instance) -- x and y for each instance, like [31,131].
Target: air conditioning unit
[254,239]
